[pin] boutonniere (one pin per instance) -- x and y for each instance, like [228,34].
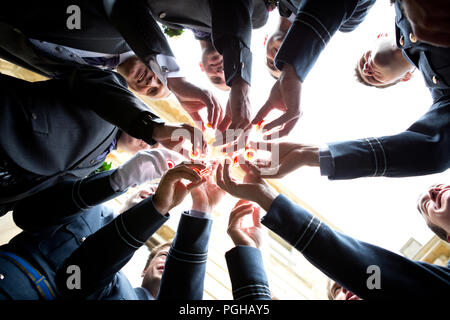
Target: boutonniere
[171,32]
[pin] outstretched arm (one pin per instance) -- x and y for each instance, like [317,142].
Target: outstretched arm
[185,268]
[348,261]
[367,270]
[244,261]
[315,24]
[422,149]
[63,202]
[106,251]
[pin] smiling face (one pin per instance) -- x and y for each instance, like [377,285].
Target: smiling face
[141,79]
[339,293]
[212,65]
[383,65]
[154,268]
[434,206]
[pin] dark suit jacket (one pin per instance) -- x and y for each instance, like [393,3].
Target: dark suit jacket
[424,147]
[247,274]
[71,222]
[55,222]
[185,267]
[186,262]
[62,127]
[346,260]
[115,26]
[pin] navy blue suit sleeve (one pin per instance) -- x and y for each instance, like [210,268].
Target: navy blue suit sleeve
[349,261]
[106,251]
[422,149]
[247,274]
[185,267]
[316,22]
[231,36]
[62,202]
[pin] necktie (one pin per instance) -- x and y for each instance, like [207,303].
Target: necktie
[109,63]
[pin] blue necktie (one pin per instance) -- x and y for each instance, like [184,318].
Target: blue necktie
[109,63]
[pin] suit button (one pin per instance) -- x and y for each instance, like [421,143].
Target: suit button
[16,30]
[435,80]
[2,276]
[82,239]
[242,65]
[412,37]
[162,15]
[34,116]
[92,161]
[401,41]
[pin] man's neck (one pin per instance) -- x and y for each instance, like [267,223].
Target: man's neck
[152,286]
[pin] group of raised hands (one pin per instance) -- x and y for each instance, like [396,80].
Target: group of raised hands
[206,191]
[185,178]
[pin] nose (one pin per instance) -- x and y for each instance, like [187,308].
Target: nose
[433,192]
[152,82]
[367,70]
[348,295]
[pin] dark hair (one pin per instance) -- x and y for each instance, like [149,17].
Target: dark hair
[332,287]
[438,231]
[441,233]
[155,250]
[360,79]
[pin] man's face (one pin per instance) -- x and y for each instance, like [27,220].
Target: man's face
[155,269]
[434,206]
[141,79]
[339,293]
[383,64]
[212,65]
[130,144]
[272,47]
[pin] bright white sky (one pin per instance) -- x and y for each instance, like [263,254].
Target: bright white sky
[381,211]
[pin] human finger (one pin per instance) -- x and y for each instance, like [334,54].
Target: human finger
[284,131]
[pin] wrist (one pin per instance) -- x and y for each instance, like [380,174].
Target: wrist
[310,155]
[159,205]
[265,198]
[202,208]
[173,82]
[239,83]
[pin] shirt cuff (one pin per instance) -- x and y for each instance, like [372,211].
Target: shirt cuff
[199,214]
[326,162]
[164,67]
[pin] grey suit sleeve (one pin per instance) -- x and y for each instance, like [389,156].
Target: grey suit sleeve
[137,26]
[231,35]
[107,94]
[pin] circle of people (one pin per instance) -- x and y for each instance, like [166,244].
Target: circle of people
[57,134]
